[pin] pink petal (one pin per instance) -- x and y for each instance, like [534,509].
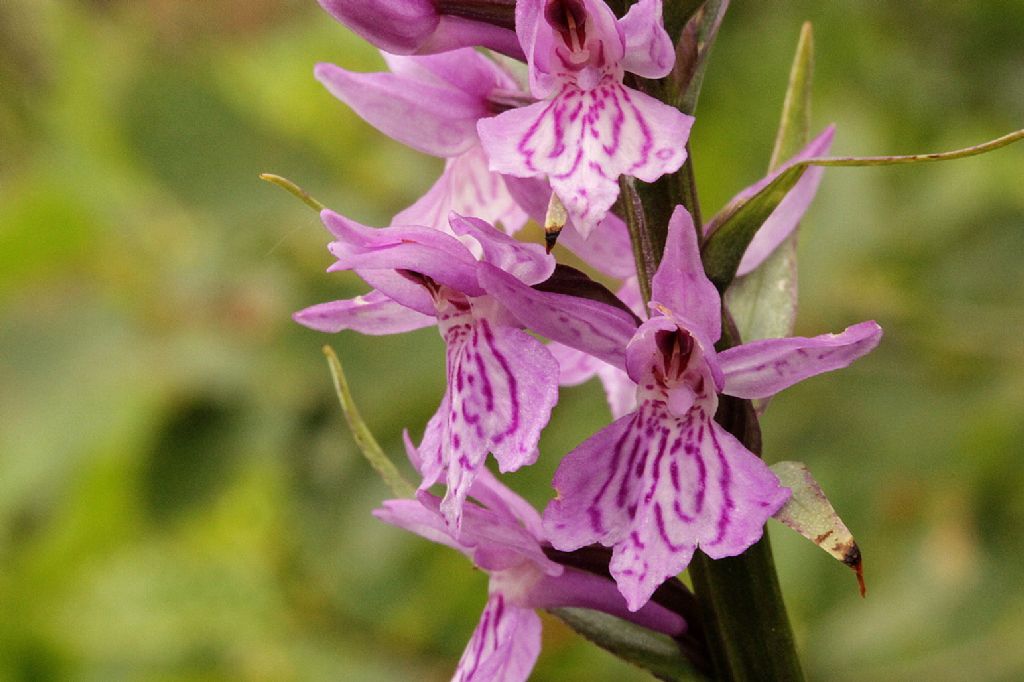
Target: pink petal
[583,140]
[791,209]
[607,249]
[595,328]
[398,27]
[619,389]
[645,361]
[701,488]
[504,645]
[401,289]
[467,187]
[649,52]
[413,516]
[580,589]
[494,542]
[464,69]
[763,368]
[502,384]
[454,32]
[416,27]
[423,250]
[373,313]
[680,283]
[655,487]
[576,367]
[502,500]
[526,262]
[434,118]
[597,485]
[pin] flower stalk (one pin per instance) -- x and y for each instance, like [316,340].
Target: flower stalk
[743,613]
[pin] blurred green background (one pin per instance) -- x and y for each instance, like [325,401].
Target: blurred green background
[179,498]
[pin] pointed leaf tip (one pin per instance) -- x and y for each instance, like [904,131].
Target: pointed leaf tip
[810,514]
[293,189]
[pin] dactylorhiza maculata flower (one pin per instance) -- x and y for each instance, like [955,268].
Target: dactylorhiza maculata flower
[665,478]
[590,128]
[430,26]
[502,382]
[577,366]
[503,535]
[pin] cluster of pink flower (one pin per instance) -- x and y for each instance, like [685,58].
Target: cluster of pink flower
[662,479]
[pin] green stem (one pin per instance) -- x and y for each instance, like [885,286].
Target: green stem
[744,616]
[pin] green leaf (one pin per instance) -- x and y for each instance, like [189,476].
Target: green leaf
[763,303]
[692,52]
[795,126]
[657,653]
[367,444]
[810,514]
[724,247]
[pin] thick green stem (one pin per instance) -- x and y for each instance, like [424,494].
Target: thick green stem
[748,631]
[744,616]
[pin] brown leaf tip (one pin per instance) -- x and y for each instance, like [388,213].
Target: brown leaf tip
[853,559]
[550,237]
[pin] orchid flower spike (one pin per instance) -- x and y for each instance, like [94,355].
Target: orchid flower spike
[665,478]
[502,382]
[590,128]
[502,535]
[430,26]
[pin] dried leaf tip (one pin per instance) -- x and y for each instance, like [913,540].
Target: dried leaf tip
[854,560]
[554,220]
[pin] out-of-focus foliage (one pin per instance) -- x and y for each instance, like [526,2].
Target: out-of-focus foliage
[178,496]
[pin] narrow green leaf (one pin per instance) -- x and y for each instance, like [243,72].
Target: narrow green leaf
[795,126]
[810,514]
[365,441]
[692,52]
[294,189]
[763,303]
[724,248]
[657,653]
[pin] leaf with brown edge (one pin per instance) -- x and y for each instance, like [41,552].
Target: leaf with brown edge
[809,513]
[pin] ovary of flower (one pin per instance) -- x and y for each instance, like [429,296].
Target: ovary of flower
[590,128]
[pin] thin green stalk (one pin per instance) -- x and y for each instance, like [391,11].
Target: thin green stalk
[640,236]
